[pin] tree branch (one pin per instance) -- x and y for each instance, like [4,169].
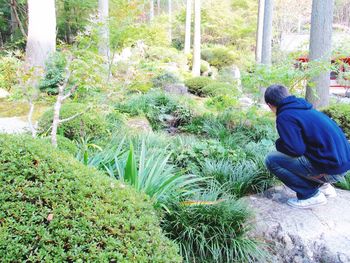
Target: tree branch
[14,9]
[71,117]
[72,90]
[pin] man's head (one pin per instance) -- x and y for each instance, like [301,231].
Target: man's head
[274,95]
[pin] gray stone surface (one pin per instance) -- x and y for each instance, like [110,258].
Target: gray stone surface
[176,88]
[13,125]
[4,93]
[321,234]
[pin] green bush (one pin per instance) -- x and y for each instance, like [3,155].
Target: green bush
[53,208]
[139,86]
[8,71]
[196,85]
[340,113]
[89,124]
[160,109]
[218,57]
[164,79]
[65,145]
[220,88]
[54,74]
[212,228]
[222,102]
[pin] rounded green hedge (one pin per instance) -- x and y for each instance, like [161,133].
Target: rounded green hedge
[195,85]
[218,57]
[54,209]
[64,144]
[89,124]
[340,113]
[220,88]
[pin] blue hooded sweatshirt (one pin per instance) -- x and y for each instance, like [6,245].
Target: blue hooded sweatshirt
[306,131]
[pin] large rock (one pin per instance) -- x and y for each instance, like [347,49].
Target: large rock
[176,89]
[321,234]
[4,93]
[13,125]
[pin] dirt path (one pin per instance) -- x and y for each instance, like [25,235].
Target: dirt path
[13,125]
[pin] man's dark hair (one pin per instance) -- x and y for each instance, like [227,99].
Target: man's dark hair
[275,93]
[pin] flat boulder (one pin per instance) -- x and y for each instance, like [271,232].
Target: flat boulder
[4,94]
[176,89]
[320,234]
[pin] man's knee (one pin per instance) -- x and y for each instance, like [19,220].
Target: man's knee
[271,159]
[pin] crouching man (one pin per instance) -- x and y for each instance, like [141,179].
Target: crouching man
[312,150]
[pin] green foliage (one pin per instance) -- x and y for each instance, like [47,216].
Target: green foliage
[220,88]
[73,16]
[222,102]
[147,170]
[140,86]
[163,79]
[9,65]
[54,74]
[212,228]
[345,183]
[65,145]
[195,85]
[161,109]
[165,55]
[55,209]
[284,73]
[90,123]
[340,113]
[218,57]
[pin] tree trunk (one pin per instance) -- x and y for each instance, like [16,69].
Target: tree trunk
[320,49]
[151,10]
[267,33]
[188,27]
[158,7]
[14,23]
[170,10]
[259,31]
[197,39]
[103,12]
[41,42]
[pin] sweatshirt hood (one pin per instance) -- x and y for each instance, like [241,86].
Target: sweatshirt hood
[292,102]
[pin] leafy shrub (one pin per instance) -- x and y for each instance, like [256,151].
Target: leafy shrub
[55,209]
[345,183]
[196,85]
[89,123]
[340,113]
[147,170]
[140,86]
[212,228]
[8,68]
[160,109]
[164,79]
[54,74]
[166,55]
[218,57]
[220,88]
[222,102]
[65,145]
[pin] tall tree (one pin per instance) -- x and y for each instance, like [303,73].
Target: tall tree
[103,12]
[320,50]
[259,31]
[151,10]
[197,39]
[267,33]
[188,26]
[41,42]
[158,7]
[170,11]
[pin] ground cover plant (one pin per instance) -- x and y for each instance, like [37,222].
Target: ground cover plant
[54,208]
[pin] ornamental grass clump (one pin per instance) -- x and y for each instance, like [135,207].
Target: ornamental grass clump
[212,228]
[54,209]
